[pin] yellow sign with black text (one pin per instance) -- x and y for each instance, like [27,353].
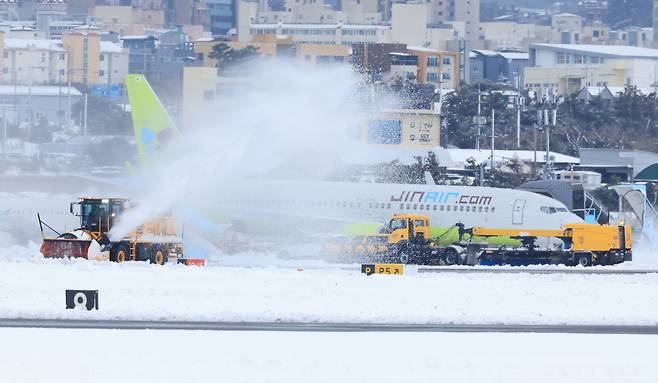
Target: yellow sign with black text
[383,268]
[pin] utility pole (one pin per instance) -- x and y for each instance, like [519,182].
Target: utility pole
[548,152]
[4,124]
[29,95]
[477,143]
[534,141]
[68,109]
[493,137]
[518,112]
[85,116]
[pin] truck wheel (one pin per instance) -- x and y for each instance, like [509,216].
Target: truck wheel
[403,256]
[159,255]
[602,259]
[120,253]
[584,259]
[451,257]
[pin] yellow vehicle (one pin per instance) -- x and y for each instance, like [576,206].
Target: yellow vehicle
[155,240]
[583,244]
[406,239]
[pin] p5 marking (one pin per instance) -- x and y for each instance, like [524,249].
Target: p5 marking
[383,268]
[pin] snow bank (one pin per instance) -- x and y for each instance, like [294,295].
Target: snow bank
[201,356]
[143,291]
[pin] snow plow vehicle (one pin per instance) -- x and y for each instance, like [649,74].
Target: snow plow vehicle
[406,239]
[156,240]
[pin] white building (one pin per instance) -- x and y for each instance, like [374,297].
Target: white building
[564,69]
[113,63]
[35,61]
[466,11]
[326,33]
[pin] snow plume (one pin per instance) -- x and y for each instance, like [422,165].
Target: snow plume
[285,118]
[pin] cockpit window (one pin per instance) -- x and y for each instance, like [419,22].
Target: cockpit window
[553,210]
[398,224]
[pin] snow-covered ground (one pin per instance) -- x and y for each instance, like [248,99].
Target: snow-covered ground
[48,355]
[31,287]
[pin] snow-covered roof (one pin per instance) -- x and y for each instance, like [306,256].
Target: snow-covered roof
[37,90]
[515,55]
[485,52]
[459,156]
[451,157]
[621,51]
[422,49]
[138,37]
[39,44]
[597,90]
[108,46]
[320,26]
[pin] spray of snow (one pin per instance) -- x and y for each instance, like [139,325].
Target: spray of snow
[285,114]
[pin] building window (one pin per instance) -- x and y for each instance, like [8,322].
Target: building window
[101,73]
[432,77]
[445,76]
[62,56]
[432,61]
[446,60]
[578,59]
[102,58]
[562,58]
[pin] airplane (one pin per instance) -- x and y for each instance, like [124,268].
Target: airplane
[352,208]
[238,199]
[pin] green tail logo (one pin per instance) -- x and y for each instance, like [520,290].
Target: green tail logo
[153,126]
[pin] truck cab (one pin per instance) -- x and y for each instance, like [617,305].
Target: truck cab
[98,215]
[408,227]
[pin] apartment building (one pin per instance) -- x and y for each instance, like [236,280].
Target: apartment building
[410,63]
[92,61]
[328,34]
[33,61]
[277,46]
[466,11]
[125,19]
[564,69]
[84,53]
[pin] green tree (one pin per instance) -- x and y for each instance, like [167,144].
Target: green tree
[115,151]
[511,175]
[39,132]
[230,59]
[461,106]
[622,13]
[103,117]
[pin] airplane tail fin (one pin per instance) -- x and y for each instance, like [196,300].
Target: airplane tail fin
[153,126]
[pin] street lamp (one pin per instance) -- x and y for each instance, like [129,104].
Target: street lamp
[68,112]
[30,112]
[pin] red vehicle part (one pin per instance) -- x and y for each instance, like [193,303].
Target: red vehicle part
[65,248]
[192,261]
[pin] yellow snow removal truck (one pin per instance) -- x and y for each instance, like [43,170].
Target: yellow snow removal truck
[406,239]
[157,240]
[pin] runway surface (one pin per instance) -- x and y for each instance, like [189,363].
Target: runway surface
[326,327]
[520,270]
